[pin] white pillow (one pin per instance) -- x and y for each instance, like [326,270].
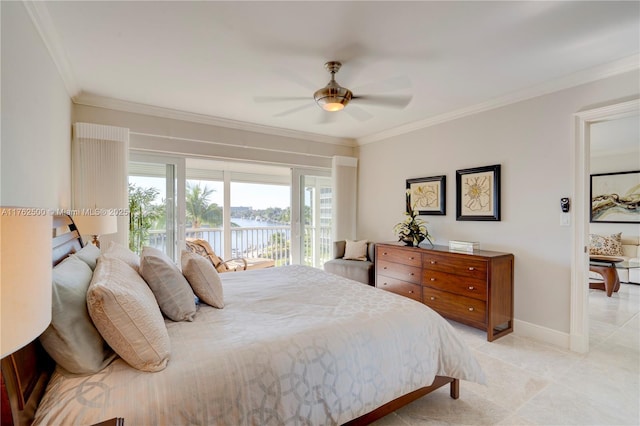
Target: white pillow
[125,312]
[118,251]
[355,250]
[169,286]
[203,279]
[88,254]
[71,339]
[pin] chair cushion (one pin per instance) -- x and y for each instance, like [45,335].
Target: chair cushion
[362,271]
[169,286]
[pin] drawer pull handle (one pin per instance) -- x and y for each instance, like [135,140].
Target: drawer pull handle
[385,253]
[384,267]
[410,291]
[411,258]
[433,262]
[411,274]
[432,298]
[470,287]
[471,268]
[432,279]
[384,283]
[470,309]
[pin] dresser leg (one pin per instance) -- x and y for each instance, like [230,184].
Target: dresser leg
[454,391]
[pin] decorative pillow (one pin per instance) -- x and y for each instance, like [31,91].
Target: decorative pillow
[71,339]
[169,286]
[355,250]
[125,312]
[88,254]
[203,279]
[606,246]
[123,253]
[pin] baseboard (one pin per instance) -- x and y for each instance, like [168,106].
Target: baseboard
[542,334]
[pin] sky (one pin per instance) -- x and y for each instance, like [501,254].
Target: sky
[257,196]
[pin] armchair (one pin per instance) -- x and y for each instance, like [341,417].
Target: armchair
[358,270]
[202,247]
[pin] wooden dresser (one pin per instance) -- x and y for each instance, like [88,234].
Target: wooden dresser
[472,288]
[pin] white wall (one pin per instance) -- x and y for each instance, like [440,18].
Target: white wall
[533,141]
[36,118]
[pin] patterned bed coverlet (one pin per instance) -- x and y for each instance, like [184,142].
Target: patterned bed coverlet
[293,345]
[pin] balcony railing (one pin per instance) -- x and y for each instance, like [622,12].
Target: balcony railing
[272,242]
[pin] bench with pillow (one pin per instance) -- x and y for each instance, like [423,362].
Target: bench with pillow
[353,260]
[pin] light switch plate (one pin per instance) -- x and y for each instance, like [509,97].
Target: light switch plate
[565,219]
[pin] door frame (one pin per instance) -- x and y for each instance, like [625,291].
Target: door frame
[579,320]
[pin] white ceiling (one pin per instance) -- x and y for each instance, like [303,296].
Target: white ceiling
[213,58]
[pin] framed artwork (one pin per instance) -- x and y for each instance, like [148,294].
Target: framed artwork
[615,197]
[478,193]
[428,195]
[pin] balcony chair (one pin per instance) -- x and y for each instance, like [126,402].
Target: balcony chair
[202,247]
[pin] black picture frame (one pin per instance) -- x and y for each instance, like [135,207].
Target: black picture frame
[478,193]
[428,195]
[611,197]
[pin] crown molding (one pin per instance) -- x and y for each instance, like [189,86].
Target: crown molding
[41,19]
[137,108]
[620,66]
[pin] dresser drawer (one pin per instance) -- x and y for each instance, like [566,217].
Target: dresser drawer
[459,265]
[403,288]
[465,309]
[458,284]
[399,255]
[399,271]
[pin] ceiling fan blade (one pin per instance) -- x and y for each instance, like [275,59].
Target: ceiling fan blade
[387,85]
[292,110]
[327,117]
[391,101]
[264,99]
[358,113]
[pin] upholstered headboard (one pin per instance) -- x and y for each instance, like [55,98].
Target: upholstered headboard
[25,373]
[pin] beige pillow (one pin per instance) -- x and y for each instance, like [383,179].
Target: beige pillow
[355,250]
[125,312]
[606,246]
[123,253]
[203,279]
[169,286]
[71,339]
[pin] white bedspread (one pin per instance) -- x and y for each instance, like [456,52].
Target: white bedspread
[293,345]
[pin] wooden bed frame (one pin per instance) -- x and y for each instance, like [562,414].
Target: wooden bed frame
[26,372]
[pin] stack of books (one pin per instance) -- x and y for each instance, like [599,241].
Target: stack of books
[465,246]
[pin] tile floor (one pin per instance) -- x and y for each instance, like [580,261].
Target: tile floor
[531,383]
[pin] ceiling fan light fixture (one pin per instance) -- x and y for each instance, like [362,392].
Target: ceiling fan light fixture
[332,97]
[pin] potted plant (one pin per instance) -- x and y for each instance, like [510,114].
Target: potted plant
[413,230]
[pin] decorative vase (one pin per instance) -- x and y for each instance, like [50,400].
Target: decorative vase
[408,241]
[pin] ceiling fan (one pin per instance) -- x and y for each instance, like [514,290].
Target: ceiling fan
[333,97]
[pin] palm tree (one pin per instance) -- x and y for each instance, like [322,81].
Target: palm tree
[199,210]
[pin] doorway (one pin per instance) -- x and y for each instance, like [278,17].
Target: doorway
[579,320]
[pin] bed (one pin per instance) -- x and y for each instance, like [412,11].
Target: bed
[292,345]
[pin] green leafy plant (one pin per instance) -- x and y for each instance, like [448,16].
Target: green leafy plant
[413,230]
[143,214]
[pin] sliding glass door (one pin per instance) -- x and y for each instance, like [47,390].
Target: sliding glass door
[312,194]
[156,184]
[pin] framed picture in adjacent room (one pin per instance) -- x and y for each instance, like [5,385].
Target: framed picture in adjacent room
[615,197]
[428,195]
[478,193]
